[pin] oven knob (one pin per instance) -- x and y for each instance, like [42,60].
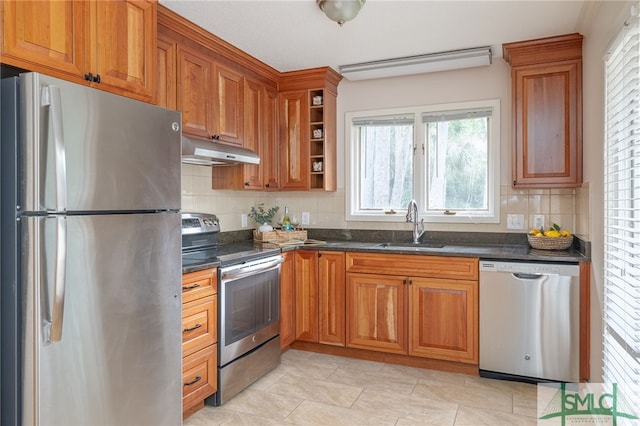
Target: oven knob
[253,339]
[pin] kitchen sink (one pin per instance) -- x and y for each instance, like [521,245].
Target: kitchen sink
[408,246]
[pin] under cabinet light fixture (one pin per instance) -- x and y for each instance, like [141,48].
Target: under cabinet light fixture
[432,62]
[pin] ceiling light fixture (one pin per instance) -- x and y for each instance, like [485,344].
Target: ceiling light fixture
[454,59]
[340,11]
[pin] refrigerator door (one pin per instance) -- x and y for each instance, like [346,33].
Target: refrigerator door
[118,357]
[88,150]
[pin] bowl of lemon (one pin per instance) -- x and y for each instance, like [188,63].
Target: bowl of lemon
[554,238]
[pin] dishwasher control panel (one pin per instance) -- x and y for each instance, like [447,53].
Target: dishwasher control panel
[530,268]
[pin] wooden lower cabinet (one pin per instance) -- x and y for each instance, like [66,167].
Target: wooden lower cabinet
[199,338]
[443,319]
[320,296]
[422,314]
[376,312]
[331,298]
[287,301]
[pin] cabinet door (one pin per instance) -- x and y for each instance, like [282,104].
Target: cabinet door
[166,73]
[294,160]
[376,312]
[122,45]
[287,301]
[194,93]
[548,125]
[253,132]
[270,152]
[331,285]
[306,288]
[48,35]
[443,319]
[228,107]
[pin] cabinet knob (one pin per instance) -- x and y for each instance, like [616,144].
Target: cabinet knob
[246,184]
[88,77]
[266,185]
[215,137]
[96,79]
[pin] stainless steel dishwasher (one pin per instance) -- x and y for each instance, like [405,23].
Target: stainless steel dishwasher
[529,321]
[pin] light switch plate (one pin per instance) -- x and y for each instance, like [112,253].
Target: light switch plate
[538,221]
[244,220]
[515,221]
[305,218]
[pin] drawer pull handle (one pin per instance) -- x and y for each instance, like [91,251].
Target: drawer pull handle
[190,287]
[195,327]
[193,382]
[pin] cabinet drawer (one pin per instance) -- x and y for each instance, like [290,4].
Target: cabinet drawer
[199,324]
[199,376]
[413,265]
[199,284]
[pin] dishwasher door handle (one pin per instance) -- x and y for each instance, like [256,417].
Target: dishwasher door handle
[522,276]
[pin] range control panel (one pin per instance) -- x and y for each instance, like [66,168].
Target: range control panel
[199,223]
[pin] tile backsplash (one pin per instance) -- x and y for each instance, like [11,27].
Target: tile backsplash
[566,207]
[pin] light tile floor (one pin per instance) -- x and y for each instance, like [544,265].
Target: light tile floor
[316,389]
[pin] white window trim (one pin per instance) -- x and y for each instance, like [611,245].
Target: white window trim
[419,178]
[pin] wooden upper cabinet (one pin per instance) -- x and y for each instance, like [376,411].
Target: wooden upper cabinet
[194,93]
[47,34]
[547,111]
[122,40]
[294,135]
[308,129]
[166,80]
[270,151]
[252,133]
[228,117]
[73,40]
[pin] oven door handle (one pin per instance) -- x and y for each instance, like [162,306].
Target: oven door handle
[236,273]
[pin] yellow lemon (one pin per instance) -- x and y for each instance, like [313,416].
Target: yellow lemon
[552,234]
[534,232]
[565,233]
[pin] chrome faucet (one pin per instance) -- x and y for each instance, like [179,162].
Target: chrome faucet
[412,216]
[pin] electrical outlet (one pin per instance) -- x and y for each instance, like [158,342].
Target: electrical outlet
[244,220]
[305,218]
[538,221]
[515,221]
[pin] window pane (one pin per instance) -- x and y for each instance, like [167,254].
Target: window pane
[386,168]
[457,169]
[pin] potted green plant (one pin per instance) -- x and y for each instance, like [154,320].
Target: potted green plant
[263,217]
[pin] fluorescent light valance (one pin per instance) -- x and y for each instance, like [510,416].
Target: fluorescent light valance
[432,62]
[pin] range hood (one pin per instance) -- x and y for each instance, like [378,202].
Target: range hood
[211,153]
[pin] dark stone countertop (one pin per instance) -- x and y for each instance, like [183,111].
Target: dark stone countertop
[483,245]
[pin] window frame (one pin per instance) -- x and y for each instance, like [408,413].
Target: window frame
[420,164]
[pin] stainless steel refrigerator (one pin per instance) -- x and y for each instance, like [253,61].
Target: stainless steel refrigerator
[90,249]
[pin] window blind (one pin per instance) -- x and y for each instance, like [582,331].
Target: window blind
[456,115]
[622,208]
[385,120]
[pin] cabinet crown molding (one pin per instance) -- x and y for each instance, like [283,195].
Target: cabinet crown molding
[541,50]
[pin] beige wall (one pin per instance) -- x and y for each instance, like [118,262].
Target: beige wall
[580,210]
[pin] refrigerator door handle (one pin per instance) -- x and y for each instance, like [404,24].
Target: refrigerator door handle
[54,324]
[51,97]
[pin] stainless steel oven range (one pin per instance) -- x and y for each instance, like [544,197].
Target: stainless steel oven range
[249,303]
[249,324]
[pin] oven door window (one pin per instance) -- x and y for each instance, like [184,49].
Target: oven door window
[251,304]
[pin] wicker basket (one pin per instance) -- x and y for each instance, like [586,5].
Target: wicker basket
[279,236]
[548,243]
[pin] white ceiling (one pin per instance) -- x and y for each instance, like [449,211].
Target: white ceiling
[295,34]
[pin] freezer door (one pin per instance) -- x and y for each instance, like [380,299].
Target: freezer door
[117,360]
[89,150]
